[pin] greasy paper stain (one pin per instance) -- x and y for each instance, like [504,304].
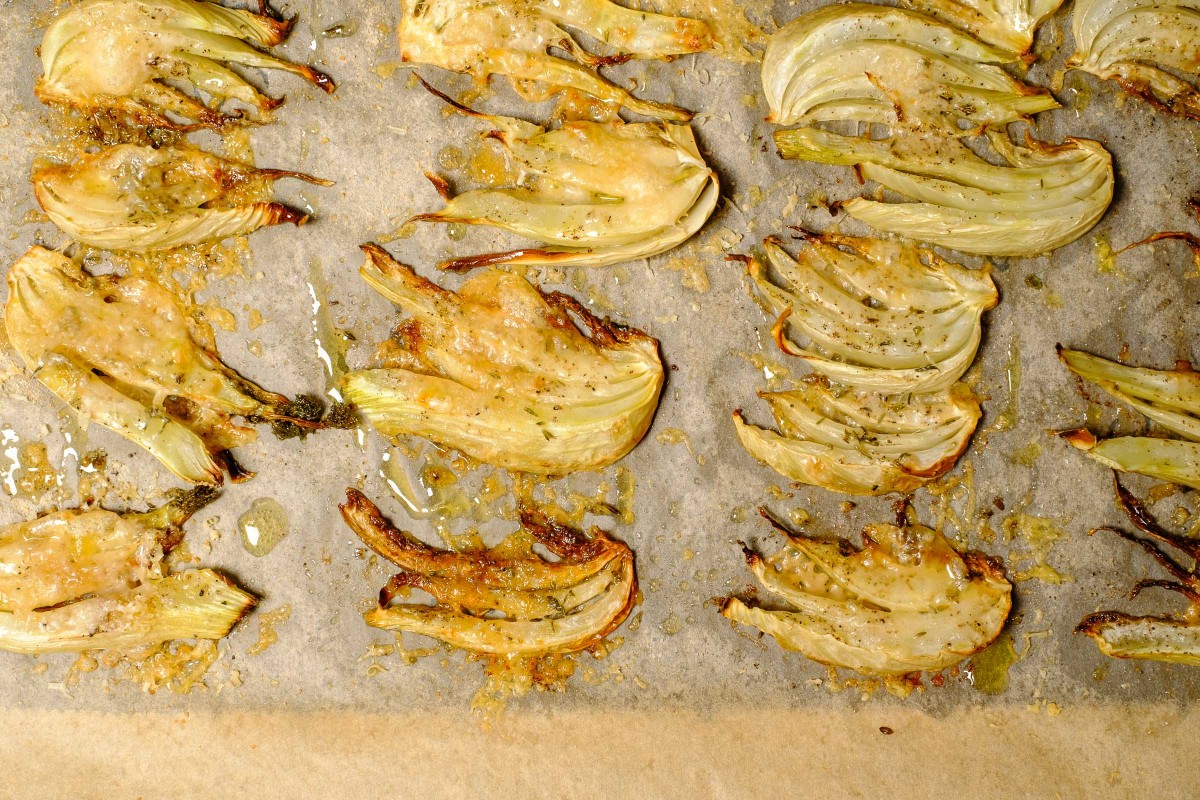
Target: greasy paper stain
[268,624]
[989,668]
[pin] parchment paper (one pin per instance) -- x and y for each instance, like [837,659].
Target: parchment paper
[682,713]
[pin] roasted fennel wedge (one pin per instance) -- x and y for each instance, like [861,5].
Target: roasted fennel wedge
[512,38]
[931,87]
[130,197]
[594,193]
[129,56]
[196,604]
[861,442]
[1168,460]
[1007,24]
[94,580]
[854,62]
[1156,638]
[905,602]
[882,315]
[499,371]
[1168,398]
[499,604]
[1143,45]
[60,557]
[1043,197]
[121,351]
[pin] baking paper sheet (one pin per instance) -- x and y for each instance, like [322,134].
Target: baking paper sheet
[683,681]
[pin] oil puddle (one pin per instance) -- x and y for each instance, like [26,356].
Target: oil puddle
[263,526]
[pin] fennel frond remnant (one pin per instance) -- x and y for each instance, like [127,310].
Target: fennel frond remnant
[500,372]
[1175,639]
[1142,44]
[500,604]
[1168,398]
[128,57]
[131,197]
[513,37]
[904,602]
[94,580]
[120,351]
